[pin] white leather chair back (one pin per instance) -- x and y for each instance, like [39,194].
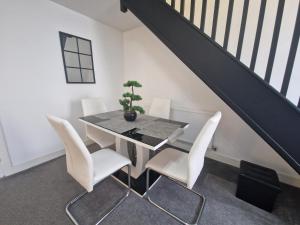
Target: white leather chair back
[79,160]
[92,106]
[160,107]
[198,150]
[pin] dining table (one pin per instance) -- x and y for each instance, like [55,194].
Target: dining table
[136,139]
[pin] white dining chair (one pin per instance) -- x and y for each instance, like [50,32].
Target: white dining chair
[184,167]
[160,107]
[92,106]
[87,169]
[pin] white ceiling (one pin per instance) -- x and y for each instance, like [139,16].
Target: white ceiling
[105,11]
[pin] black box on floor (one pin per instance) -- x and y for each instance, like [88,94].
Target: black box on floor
[257,185]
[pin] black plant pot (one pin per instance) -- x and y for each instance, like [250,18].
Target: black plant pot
[130,115]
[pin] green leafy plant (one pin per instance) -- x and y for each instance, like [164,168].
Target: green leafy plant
[130,97]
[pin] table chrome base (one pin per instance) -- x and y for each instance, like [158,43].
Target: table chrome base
[108,211]
[199,213]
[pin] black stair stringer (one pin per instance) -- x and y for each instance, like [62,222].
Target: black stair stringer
[268,113]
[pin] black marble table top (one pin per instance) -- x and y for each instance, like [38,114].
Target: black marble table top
[149,130]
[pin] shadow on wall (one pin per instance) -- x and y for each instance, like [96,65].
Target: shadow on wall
[75,114]
[5,161]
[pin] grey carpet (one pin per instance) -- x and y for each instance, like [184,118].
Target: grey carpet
[38,196]
[221,207]
[224,208]
[176,199]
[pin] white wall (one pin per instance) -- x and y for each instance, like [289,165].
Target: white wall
[162,74]
[32,79]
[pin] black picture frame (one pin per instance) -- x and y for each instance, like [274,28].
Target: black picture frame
[81,74]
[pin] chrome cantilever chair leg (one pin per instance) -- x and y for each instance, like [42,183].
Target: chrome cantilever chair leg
[199,213]
[108,211]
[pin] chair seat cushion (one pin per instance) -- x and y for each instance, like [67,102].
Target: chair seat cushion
[171,163]
[106,162]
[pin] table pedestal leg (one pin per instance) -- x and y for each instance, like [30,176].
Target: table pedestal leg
[142,157]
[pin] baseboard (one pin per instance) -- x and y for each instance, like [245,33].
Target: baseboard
[284,178]
[35,162]
[223,158]
[32,163]
[215,155]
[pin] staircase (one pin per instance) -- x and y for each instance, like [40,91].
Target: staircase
[267,104]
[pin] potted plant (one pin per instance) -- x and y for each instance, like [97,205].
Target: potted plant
[128,99]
